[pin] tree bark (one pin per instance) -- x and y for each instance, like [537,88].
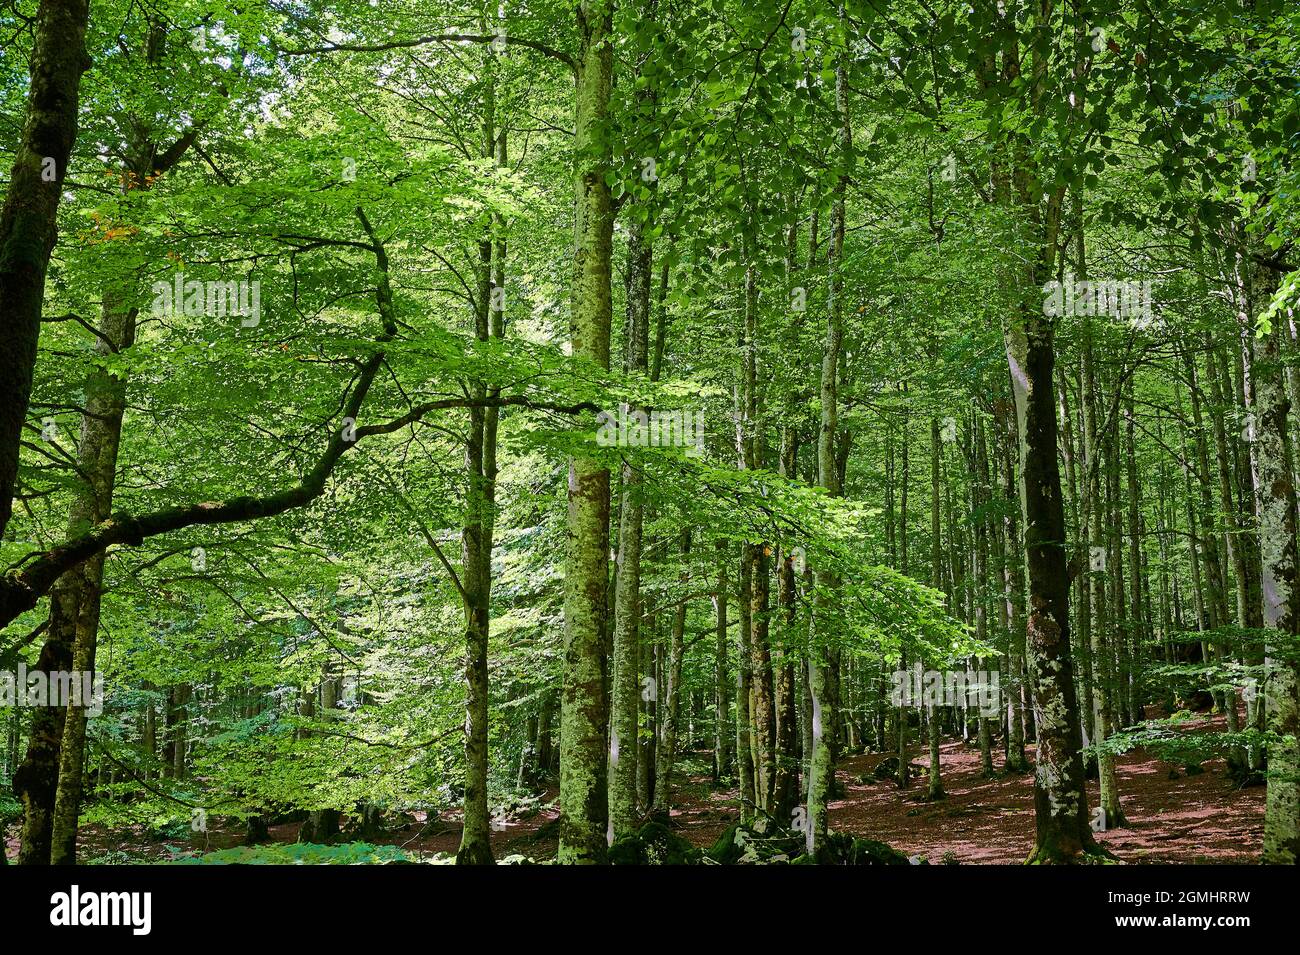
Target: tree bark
[626,693]
[672,700]
[821,770]
[29,217]
[1274,479]
[584,706]
[723,737]
[935,788]
[478,528]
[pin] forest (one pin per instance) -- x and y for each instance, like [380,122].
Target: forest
[649,432]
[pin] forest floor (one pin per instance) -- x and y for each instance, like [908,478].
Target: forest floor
[1172,817]
[1198,819]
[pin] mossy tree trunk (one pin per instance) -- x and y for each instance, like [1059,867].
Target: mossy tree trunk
[1275,481]
[29,217]
[584,707]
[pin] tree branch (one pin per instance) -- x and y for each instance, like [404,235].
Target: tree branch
[542,48]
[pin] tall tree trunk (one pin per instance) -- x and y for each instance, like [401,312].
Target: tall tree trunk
[1107,667]
[821,770]
[584,707]
[1274,478]
[785,796]
[625,665]
[1013,581]
[763,734]
[179,728]
[1101,566]
[626,693]
[478,530]
[1061,808]
[81,590]
[29,217]
[1216,606]
[1139,591]
[1082,584]
[904,775]
[981,497]
[28,231]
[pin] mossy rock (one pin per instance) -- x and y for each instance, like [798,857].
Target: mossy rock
[628,851]
[874,852]
[841,848]
[887,768]
[741,845]
[726,851]
[653,844]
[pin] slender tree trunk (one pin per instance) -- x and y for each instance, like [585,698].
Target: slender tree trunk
[981,499]
[671,695]
[904,776]
[80,591]
[785,796]
[762,709]
[744,690]
[1013,578]
[584,707]
[1101,567]
[1072,440]
[546,752]
[1139,591]
[477,532]
[322,825]
[723,737]
[627,600]
[935,789]
[821,771]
